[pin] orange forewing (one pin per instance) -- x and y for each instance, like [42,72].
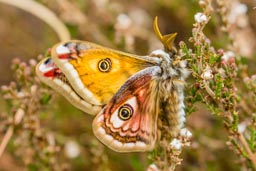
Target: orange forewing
[84,58]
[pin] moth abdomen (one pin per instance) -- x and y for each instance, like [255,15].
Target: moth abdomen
[174,113]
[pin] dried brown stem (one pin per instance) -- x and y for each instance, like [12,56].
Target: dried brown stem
[17,119]
[44,14]
[6,139]
[252,156]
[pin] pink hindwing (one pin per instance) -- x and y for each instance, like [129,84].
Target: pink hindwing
[129,122]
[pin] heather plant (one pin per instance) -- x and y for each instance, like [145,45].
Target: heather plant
[33,122]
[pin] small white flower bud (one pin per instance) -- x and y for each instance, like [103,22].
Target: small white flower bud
[207,74]
[72,149]
[241,127]
[227,55]
[153,167]
[175,144]
[123,21]
[200,17]
[184,132]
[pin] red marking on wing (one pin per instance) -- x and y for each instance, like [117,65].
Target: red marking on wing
[64,56]
[53,73]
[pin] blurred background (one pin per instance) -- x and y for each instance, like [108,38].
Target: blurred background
[126,26]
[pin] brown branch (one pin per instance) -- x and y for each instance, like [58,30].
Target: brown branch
[252,156]
[17,119]
[6,139]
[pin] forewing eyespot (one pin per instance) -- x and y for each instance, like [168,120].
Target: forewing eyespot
[104,65]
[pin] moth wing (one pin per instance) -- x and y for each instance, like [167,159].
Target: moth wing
[51,75]
[122,132]
[79,61]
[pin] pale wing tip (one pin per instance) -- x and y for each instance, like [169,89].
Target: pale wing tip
[44,66]
[61,49]
[54,82]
